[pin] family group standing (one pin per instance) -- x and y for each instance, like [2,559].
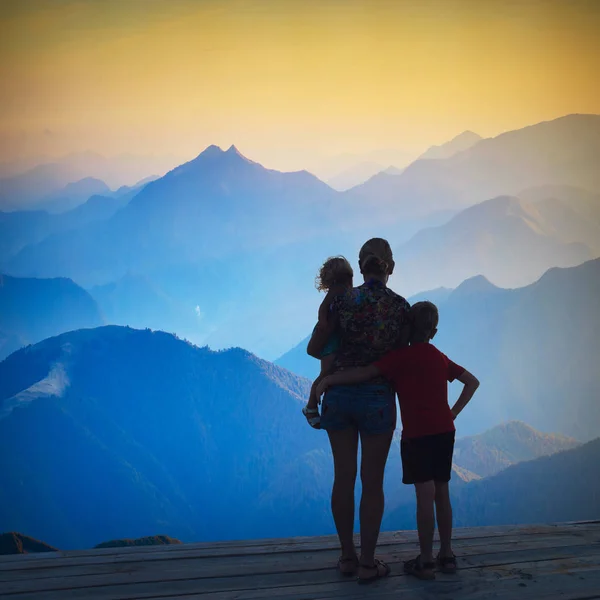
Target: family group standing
[374,347]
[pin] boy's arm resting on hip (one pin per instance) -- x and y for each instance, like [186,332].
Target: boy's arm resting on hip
[471,383]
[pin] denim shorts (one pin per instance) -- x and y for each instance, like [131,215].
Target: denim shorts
[370,407]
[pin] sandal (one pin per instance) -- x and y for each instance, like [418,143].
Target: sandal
[381,570]
[447,564]
[419,569]
[312,416]
[348,566]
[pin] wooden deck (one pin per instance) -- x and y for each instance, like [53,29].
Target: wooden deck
[548,562]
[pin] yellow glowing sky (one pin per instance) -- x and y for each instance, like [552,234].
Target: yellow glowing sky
[287,81]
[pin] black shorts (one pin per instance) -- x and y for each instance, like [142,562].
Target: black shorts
[427,458]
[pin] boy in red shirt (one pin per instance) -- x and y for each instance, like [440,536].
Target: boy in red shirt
[420,375]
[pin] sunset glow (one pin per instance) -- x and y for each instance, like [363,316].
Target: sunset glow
[287,81]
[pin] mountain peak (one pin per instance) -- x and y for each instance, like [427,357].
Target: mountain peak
[499,207]
[463,141]
[216,152]
[213,155]
[467,135]
[211,151]
[474,285]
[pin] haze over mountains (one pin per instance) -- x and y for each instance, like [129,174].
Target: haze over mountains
[461,142]
[493,237]
[25,186]
[222,217]
[19,229]
[512,442]
[133,432]
[559,152]
[34,309]
[390,163]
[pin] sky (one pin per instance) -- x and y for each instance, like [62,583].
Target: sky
[290,83]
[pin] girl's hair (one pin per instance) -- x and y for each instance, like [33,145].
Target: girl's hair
[335,271]
[376,258]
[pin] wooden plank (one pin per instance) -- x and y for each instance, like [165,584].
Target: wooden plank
[66,568]
[201,550]
[572,579]
[481,584]
[239,546]
[212,574]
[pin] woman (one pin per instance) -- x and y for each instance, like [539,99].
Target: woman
[370,321]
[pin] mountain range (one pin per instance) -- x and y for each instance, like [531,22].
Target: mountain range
[551,489]
[506,444]
[218,205]
[354,175]
[361,171]
[24,185]
[223,218]
[493,237]
[559,152]
[19,229]
[131,433]
[110,432]
[72,195]
[203,233]
[461,142]
[558,488]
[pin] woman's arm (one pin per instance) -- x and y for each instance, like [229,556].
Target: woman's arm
[324,330]
[348,377]
[319,338]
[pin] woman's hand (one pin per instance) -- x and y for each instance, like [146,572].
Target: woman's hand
[322,387]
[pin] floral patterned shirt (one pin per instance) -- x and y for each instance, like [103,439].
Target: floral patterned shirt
[372,320]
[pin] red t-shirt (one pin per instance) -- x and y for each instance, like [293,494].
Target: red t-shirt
[420,376]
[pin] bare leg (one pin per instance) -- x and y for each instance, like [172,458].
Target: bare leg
[344,446]
[425,518]
[375,450]
[443,510]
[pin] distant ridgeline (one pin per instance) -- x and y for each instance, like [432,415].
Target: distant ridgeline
[34,309]
[16,543]
[508,207]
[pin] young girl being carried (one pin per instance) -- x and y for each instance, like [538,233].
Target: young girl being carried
[335,278]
